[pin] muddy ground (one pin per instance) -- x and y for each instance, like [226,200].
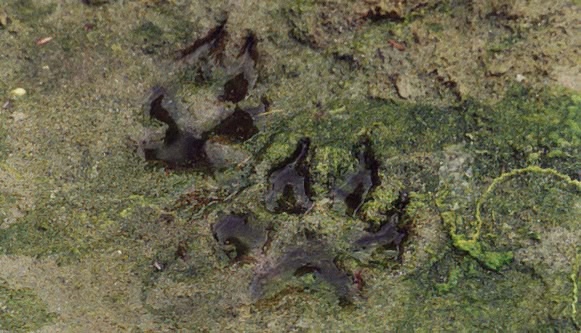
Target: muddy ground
[472,110]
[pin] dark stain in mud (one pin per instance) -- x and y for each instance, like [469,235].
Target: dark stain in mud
[183,148]
[389,233]
[210,44]
[179,148]
[95,2]
[248,50]
[158,112]
[311,258]
[377,13]
[289,183]
[238,127]
[356,187]
[239,232]
[236,89]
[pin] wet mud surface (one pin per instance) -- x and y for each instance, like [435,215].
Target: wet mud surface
[289,166]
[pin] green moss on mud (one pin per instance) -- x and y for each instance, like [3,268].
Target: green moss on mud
[21,310]
[31,12]
[527,127]
[507,302]
[75,222]
[512,265]
[490,259]
[393,129]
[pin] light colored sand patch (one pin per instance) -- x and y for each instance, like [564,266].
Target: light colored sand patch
[87,297]
[569,77]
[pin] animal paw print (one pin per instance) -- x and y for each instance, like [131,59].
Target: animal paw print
[240,234]
[288,192]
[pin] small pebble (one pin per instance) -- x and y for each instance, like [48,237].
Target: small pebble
[4,19]
[18,92]
[43,40]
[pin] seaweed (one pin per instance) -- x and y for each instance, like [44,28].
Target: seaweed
[289,183]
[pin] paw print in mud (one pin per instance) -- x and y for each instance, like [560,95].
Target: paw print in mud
[288,193]
[252,233]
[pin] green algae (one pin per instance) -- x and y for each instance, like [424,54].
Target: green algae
[93,197]
[497,246]
[30,12]
[392,129]
[558,212]
[446,272]
[490,259]
[491,255]
[505,299]
[21,310]
[539,129]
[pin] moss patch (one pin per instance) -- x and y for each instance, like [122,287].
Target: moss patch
[530,128]
[21,310]
[463,113]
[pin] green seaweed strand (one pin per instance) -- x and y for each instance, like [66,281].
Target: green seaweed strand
[493,259]
[507,175]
